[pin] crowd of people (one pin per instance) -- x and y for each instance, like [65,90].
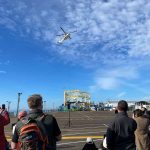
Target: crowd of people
[39,131]
[32,131]
[126,133]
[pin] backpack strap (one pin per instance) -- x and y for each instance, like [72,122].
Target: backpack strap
[40,124]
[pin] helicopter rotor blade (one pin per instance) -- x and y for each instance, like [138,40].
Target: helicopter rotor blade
[60,35]
[73,31]
[62,30]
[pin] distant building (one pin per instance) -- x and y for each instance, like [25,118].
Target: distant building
[132,104]
[77,98]
[114,103]
[140,104]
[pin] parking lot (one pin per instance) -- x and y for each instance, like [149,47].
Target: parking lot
[83,124]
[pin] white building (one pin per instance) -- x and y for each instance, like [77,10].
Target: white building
[114,103]
[140,104]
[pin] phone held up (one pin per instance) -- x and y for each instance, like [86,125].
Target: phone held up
[3,106]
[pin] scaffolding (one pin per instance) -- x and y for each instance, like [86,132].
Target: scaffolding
[76,97]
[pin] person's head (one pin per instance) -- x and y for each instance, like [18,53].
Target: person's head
[143,109]
[35,101]
[22,114]
[137,113]
[116,111]
[122,106]
[89,140]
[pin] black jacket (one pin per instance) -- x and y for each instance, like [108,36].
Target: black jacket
[120,133]
[89,146]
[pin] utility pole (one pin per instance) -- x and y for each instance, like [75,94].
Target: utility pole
[69,122]
[44,105]
[8,105]
[18,103]
[53,106]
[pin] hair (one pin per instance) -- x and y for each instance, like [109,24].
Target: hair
[143,109]
[122,105]
[116,111]
[34,101]
[138,113]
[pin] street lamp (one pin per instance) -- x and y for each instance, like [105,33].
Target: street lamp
[53,106]
[8,105]
[18,103]
[69,122]
[44,105]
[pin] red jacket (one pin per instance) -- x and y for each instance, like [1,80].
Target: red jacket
[4,120]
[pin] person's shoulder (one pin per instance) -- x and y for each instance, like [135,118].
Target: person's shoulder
[4,112]
[49,117]
[132,121]
[18,123]
[146,119]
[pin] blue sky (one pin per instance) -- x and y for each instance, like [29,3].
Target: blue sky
[108,56]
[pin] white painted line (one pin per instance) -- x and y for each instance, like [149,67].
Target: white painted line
[106,125]
[97,124]
[80,128]
[73,117]
[89,118]
[68,143]
[81,133]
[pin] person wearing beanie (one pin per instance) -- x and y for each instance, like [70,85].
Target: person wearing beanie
[90,145]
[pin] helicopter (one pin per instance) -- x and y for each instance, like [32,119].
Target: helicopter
[65,36]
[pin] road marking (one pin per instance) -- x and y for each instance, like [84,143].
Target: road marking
[69,137]
[85,128]
[81,137]
[89,125]
[89,118]
[82,133]
[78,118]
[68,143]
[106,125]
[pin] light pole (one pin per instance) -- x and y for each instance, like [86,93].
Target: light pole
[53,106]
[8,105]
[69,122]
[18,103]
[44,105]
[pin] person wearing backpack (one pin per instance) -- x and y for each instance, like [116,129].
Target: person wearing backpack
[38,131]
[21,116]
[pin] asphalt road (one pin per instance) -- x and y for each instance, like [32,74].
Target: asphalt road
[83,124]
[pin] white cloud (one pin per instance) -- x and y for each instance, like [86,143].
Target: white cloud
[110,33]
[2,72]
[121,94]
[107,83]
[114,78]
